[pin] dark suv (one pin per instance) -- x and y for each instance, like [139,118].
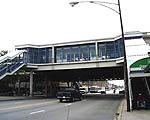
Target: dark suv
[69,94]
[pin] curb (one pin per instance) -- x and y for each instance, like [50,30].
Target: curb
[19,98]
[13,99]
[119,112]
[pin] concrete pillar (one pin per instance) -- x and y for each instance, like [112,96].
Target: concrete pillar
[89,86]
[18,86]
[31,83]
[46,87]
[50,89]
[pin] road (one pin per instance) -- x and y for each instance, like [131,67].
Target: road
[51,109]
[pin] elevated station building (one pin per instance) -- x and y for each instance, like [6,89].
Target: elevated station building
[97,59]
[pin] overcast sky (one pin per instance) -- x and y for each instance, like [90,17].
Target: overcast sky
[54,21]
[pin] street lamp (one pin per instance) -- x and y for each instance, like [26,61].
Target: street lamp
[105,4]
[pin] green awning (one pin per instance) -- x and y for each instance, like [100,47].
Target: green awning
[140,65]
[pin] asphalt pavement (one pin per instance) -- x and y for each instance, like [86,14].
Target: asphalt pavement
[51,109]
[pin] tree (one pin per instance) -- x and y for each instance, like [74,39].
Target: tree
[3,52]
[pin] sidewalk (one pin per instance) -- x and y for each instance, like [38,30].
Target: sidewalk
[10,98]
[133,115]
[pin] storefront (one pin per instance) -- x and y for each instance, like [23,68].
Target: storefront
[140,83]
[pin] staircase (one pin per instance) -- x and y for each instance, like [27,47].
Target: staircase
[12,62]
[141,85]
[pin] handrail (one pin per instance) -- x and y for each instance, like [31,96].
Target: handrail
[11,55]
[11,65]
[147,86]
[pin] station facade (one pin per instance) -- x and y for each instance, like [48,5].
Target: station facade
[100,59]
[89,50]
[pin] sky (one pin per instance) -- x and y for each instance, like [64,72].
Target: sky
[54,21]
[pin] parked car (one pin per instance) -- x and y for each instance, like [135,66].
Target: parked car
[94,89]
[69,94]
[121,92]
[83,90]
[102,90]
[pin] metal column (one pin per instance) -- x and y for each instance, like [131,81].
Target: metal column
[31,83]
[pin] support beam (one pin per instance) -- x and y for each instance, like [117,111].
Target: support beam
[18,87]
[31,83]
[46,87]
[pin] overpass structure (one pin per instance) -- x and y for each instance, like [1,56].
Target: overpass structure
[98,59]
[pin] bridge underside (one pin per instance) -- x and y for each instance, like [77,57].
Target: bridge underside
[47,81]
[107,73]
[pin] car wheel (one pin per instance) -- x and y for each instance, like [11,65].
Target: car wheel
[80,98]
[60,100]
[72,99]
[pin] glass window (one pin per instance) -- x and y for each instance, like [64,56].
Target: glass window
[25,55]
[117,50]
[49,55]
[38,55]
[84,53]
[31,55]
[66,54]
[59,55]
[102,50]
[110,53]
[42,55]
[75,54]
[121,48]
[92,53]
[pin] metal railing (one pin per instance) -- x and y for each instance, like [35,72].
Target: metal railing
[12,64]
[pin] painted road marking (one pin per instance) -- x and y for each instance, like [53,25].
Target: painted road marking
[84,100]
[19,102]
[68,104]
[40,111]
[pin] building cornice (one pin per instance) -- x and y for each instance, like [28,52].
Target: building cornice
[127,35]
